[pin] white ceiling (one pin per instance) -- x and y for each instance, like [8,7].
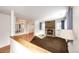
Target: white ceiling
[35,12]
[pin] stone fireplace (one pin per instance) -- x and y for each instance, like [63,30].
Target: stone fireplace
[50,28]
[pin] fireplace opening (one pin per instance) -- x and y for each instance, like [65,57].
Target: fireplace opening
[49,32]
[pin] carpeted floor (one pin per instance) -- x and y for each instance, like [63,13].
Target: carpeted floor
[52,44]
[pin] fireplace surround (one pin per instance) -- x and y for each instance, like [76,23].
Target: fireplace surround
[50,28]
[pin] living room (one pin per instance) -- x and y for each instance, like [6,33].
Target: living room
[33,21]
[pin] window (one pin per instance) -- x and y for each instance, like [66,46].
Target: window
[70,18]
[63,24]
[40,26]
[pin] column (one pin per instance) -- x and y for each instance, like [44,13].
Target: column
[13,21]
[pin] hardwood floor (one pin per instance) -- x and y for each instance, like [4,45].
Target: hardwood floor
[53,44]
[5,49]
[27,37]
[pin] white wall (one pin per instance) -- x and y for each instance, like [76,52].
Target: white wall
[37,30]
[76,28]
[58,31]
[4,30]
[31,26]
